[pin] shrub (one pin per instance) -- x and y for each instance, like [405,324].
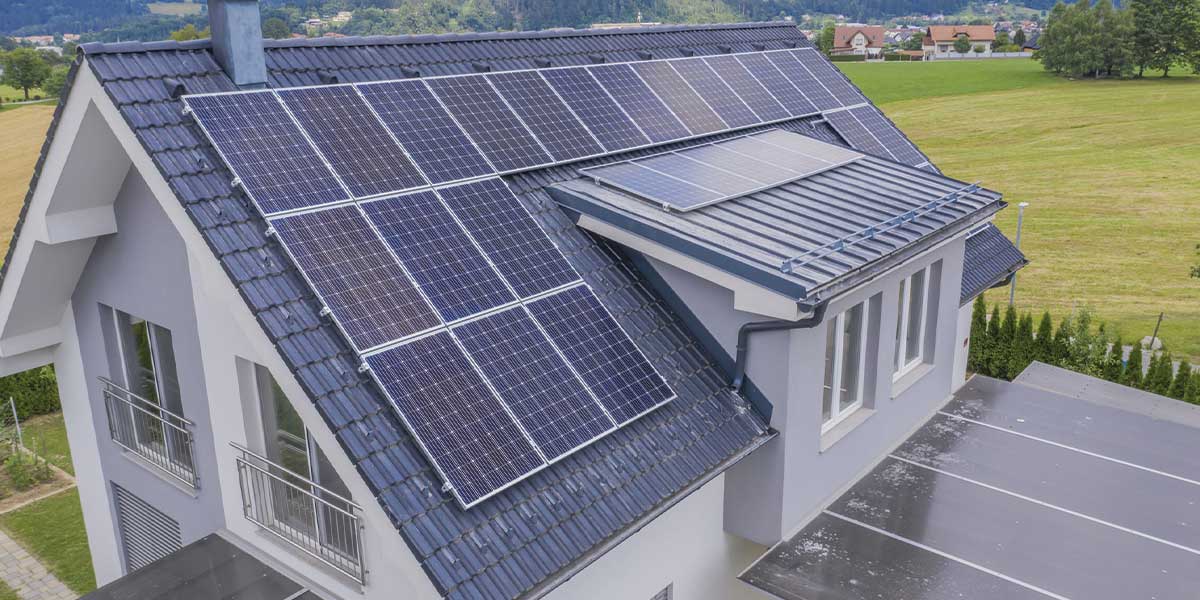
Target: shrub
[976,360]
[1158,380]
[1022,351]
[35,392]
[19,472]
[848,58]
[1133,369]
[1114,369]
[993,336]
[1044,350]
[1183,380]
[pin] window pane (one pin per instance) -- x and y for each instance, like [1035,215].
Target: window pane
[900,324]
[284,436]
[164,369]
[851,356]
[916,310]
[139,366]
[827,392]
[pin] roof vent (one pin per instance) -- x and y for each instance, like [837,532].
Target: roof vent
[688,51]
[758,47]
[543,63]
[643,55]
[597,59]
[175,88]
[725,49]
[410,73]
[237,41]
[481,67]
[328,78]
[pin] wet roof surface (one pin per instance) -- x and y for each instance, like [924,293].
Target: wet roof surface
[1011,491]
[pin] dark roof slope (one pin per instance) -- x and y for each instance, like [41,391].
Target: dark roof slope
[988,260]
[540,530]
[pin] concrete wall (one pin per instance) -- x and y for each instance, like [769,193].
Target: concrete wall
[781,486]
[962,346]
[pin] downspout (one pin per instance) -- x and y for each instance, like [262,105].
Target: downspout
[743,339]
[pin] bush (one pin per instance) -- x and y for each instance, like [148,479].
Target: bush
[35,392]
[848,58]
[1183,380]
[1133,369]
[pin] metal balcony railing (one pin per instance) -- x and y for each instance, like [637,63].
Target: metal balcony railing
[157,435]
[312,518]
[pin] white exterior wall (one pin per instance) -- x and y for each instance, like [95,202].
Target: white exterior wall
[963,347]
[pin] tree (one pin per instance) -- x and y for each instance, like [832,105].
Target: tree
[915,42]
[56,82]
[1133,369]
[993,337]
[1114,369]
[976,360]
[190,32]
[1045,340]
[962,44]
[1116,38]
[1022,346]
[1193,392]
[825,41]
[1062,344]
[276,29]
[1160,376]
[24,69]
[1165,32]
[1002,350]
[1018,38]
[1183,380]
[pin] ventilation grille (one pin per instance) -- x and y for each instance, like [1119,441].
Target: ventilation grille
[146,533]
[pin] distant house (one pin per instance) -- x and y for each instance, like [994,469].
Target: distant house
[857,39]
[939,39]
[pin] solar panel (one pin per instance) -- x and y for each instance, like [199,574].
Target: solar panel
[742,164]
[640,103]
[715,92]
[665,190]
[463,427]
[355,274]
[748,88]
[546,115]
[679,97]
[805,81]
[607,360]
[438,254]
[355,143]
[806,146]
[426,130]
[830,76]
[542,392]
[777,83]
[598,111]
[772,155]
[489,122]
[266,150]
[887,134]
[856,134]
[517,246]
[703,174]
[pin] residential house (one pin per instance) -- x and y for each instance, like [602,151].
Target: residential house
[858,39]
[727,281]
[939,39]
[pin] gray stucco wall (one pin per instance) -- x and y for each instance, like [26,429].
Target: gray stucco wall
[782,485]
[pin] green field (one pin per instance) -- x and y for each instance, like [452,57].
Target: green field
[11,93]
[1111,170]
[52,530]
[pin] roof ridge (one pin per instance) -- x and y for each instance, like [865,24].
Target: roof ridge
[427,38]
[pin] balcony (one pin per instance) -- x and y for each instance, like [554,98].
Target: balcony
[156,435]
[299,511]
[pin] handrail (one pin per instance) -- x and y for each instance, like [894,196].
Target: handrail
[156,407]
[159,436]
[790,264]
[291,473]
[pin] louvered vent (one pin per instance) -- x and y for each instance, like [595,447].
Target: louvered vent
[146,533]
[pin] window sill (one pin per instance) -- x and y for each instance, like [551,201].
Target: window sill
[839,431]
[915,374]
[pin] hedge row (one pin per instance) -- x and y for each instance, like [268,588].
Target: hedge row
[35,392]
[1003,347]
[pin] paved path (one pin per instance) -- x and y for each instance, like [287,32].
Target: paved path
[23,573]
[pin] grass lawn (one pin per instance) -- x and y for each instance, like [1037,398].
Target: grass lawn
[47,435]
[1110,169]
[52,530]
[7,593]
[24,130]
[8,92]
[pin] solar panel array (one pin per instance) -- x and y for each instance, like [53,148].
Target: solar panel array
[694,177]
[335,143]
[866,129]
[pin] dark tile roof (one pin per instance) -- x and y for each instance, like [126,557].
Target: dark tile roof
[543,528]
[989,259]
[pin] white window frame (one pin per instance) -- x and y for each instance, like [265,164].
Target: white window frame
[899,365]
[836,413]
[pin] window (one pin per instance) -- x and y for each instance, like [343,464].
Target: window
[845,366]
[912,306]
[144,360]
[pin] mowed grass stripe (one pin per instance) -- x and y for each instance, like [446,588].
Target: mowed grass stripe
[24,131]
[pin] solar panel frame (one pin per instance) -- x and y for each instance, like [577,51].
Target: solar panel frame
[675,92]
[747,87]
[715,92]
[829,76]
[287,172]
[804,80]
[778,84]
[488,120]
[438,254]
[552,122]
[359,148]
[643,106]
[392,293]
[423,126]
[598,111]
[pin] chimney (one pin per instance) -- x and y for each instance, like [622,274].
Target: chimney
[237,41]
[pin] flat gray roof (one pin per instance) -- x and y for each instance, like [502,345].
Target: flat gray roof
[1012,491]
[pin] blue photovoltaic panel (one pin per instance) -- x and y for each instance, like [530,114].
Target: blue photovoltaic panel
[549,119]
[654,117]
[541,390]
[679,96]
[518,247]
[437,253]
[267,151]
[356,275]
[615,370]
[595,108]
[777,83]
[653,185]
[698,173]
[715,92]
[748,88]
[355,143]
[856,134]
[426,130]
[829,75]
[888,135]
[742,164]
[486,119]
[461,424]
[805,81]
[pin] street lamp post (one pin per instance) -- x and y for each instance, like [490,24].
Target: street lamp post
[1012,288]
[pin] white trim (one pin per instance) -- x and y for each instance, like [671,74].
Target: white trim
[901,364]
[836,413]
